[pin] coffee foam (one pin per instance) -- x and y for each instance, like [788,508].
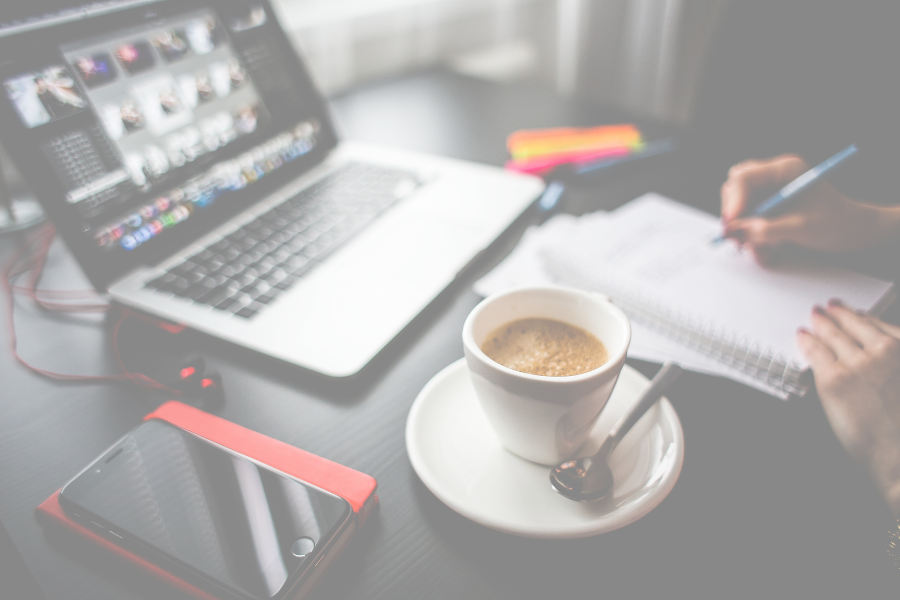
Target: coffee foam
[545,347]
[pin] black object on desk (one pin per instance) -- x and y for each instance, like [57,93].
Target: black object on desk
[603,171]
[768,503]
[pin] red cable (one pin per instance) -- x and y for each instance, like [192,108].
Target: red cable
[21,263]
[37,270]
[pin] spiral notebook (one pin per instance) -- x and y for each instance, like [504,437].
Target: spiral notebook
[689,299]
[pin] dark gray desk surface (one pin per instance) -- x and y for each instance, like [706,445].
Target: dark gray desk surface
[768,504]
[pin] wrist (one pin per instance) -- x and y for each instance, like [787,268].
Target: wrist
[886,222]
[893,501]
[884,467]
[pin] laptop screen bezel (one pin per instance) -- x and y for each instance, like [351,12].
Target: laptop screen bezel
[104,268]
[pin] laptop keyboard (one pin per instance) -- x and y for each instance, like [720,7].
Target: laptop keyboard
[247,269]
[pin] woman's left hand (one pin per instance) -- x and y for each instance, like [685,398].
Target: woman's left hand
[856,362]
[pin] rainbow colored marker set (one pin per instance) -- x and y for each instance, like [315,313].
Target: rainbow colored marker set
[539,151]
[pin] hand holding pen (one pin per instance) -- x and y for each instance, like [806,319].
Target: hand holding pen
[815,216]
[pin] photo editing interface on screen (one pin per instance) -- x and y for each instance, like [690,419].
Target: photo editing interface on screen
[166,98]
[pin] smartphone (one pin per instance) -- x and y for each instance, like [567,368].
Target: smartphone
[223,522]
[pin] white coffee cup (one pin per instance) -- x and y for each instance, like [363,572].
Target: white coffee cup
[540,418]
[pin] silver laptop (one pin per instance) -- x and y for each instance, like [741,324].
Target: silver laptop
[185,156]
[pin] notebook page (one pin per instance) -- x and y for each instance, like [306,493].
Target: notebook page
[658,249]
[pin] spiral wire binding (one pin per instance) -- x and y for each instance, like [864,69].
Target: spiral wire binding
[728,346]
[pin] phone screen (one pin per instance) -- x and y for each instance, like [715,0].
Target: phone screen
[249,528]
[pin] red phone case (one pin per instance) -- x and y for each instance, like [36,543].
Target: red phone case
[357,488]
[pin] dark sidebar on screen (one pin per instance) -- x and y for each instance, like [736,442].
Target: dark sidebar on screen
[155,121]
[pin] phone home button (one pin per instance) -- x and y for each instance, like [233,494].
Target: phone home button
[302,547]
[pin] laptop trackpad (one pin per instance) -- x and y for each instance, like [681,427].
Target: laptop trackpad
[345,310]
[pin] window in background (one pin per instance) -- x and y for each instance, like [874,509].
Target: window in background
[641,55]
[347,41]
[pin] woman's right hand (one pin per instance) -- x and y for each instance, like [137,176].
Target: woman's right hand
[823,219]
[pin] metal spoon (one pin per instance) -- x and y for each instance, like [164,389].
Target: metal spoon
[590,478]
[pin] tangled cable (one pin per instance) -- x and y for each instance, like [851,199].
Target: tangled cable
[30,259]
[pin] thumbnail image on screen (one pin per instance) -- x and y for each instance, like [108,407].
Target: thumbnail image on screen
[197,37]
[136,57]
[96,70]
[45,96]
[254,17]
[172,44]
[204,34]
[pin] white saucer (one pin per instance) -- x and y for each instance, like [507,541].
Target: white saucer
[459,458]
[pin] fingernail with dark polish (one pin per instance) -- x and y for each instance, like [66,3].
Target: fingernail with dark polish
[802,330]
[818,310]
[835,302]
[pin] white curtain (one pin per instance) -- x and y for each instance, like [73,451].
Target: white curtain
[347,41]
[641,55]
[645,56]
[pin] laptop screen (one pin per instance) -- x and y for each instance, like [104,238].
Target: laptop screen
[142,125]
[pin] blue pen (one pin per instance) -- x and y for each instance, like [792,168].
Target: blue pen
[654,148]
[793,189]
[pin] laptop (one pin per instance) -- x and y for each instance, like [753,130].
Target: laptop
[185,156]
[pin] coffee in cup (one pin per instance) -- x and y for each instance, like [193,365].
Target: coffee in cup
[545,418]
[545,347]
